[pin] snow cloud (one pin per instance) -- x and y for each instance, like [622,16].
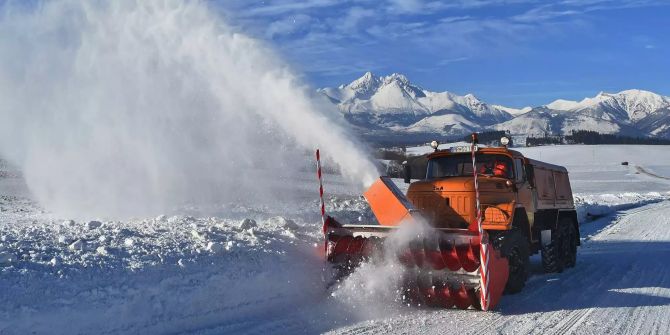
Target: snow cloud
[131,107]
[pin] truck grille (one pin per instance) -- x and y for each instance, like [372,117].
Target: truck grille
[444,210]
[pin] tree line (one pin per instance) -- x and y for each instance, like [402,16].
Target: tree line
[593,137]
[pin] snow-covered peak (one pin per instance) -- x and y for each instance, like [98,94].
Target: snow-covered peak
[639,103]
[513,111]
[644,98]
[631,104]
[369,85]
[363,87]
[368,80]
[395,94]
[396,77]
[396,97]
[562,105]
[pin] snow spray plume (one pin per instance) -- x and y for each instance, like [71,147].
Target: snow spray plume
[375,288]
[130,107]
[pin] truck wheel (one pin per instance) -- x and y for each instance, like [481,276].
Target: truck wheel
[553,253]
[571,260]
[514,247]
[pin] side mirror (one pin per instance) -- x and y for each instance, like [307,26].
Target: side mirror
[407,170]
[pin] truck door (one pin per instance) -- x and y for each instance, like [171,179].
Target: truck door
[524,195]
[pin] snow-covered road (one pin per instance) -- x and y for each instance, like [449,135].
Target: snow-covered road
[620,286]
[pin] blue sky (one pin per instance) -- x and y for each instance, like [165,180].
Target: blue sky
[514,52]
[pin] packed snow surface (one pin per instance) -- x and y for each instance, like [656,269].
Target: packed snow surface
[234,269]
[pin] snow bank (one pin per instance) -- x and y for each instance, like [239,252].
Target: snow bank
[592,206]
[153,275]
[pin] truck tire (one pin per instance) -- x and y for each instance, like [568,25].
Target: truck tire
[571,259]
[514,246]
[553,253]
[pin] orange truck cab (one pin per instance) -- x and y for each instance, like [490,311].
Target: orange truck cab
[515,192]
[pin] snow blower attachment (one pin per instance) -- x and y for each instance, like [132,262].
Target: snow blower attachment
[443,267]
[476,201]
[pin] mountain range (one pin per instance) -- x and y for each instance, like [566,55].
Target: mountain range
[393,107]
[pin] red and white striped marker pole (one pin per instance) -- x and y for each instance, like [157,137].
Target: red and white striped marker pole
[318,173]
[484,296]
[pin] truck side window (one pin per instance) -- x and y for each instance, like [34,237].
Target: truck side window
[519,170]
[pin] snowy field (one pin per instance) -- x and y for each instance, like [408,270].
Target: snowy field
[237,269]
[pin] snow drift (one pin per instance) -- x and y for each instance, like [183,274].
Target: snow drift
[132,107]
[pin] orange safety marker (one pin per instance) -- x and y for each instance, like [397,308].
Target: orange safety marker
[318,174]
[484,296]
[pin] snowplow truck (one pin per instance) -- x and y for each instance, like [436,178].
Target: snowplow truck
[489,209]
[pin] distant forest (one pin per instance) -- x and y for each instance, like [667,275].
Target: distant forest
[593,137]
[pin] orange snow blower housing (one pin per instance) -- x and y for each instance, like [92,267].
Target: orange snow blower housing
[486,225]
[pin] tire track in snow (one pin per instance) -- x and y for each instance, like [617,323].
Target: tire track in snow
[533,295]
[635,320]
[639,319]
[642,170]
[634,326]
[637,272]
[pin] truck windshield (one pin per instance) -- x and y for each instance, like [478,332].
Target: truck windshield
[461,165]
